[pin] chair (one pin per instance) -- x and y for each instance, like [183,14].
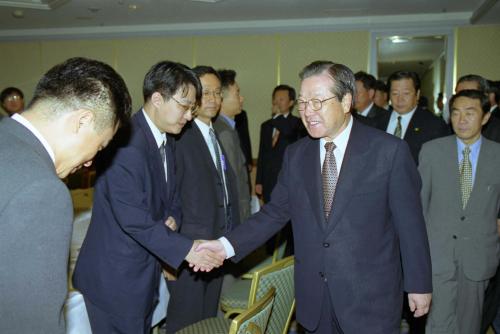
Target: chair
[243,293]
[260,259]
[252,321]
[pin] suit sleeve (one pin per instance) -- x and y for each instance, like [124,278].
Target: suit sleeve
[424,168]
[42,213]
[406,210]
[126,182]
[271,218]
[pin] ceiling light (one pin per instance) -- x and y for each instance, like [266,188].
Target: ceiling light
[398,39]
[33,4]
[209,1]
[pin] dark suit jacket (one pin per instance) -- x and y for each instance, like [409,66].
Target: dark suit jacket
[36,216]
[118,268]
[423,126]
[375,114]
[270,158]
[241,126]
[200,188]
[491,130]
[376,231]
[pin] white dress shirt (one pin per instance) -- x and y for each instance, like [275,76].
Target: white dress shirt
[405,120]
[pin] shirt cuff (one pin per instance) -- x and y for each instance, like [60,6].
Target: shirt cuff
[227,247]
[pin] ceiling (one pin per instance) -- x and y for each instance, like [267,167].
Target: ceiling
[16,14]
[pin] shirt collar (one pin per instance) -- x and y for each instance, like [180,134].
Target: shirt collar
[19,118]
[366,110]
[406,116]
[159,137]
[280,114]
[474,147]
[228,120]
[204,128]
[342,138]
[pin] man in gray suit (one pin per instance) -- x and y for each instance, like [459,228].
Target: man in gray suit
[460,199]
[76,109]
[224,125]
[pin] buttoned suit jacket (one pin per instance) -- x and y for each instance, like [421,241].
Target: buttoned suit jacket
[374,234]
[36,216]
[270,158]
[229,140]
[118,268]
[472,230]
[423,126]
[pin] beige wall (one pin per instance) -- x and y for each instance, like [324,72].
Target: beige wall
[478,51]
[262,61]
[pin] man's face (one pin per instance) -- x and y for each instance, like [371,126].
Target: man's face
[404,97]
[232,102]
[466,85]
[467,119]
[363,96]
[175,112]
[13,104]
[281,102]
[380,98]
[82,147]
[332,118]
[211,98]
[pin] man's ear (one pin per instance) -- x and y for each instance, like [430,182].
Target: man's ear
[84,119]
[157,99]
[371,93]
[346,103]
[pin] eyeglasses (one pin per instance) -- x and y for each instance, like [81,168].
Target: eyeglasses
[315,104]
[13,98]
[214,93]
[187,108]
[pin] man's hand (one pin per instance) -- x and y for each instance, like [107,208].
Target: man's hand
[203,259]
[170,223]
[258,189]
[419,303]
[214,246]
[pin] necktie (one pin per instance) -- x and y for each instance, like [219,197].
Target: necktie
[465,176]
[329,176]
[399,130]
[220,172]
[276,136]
[164,158]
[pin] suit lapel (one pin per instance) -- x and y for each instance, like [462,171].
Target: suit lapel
[205,151]
[481,172]
[450,164]
[314,188]
[155,157]
[351,171]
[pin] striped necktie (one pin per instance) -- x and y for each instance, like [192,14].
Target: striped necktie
[329,176]
[465,176]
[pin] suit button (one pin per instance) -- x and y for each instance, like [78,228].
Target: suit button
[462,218]
[321,274]
[326,244]
[454,236]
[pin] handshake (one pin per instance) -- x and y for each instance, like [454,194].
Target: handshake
[206,255]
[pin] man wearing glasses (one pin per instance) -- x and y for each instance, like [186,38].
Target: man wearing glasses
[135,199]
[209,198]
[352,195]
[12,100]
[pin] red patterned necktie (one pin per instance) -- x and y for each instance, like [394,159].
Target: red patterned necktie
[329,176]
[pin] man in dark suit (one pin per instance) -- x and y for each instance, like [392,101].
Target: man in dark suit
[118,269]
[408,121]
[76,109]
[241,126]
[363,242]
[209,205]
[381,96]
[275,135]
[363,99]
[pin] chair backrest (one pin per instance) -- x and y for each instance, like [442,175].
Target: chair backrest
[280,276]
[255,319]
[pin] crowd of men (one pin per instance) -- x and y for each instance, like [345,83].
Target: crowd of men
[393,209]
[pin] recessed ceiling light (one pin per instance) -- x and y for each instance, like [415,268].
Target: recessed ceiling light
[398,39]
[94,10]
[133,7]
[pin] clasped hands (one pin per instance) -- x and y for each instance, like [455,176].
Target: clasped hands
[204,255]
